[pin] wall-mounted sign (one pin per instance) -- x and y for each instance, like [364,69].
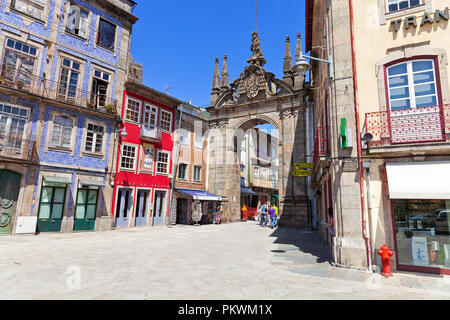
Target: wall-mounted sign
[300,166]
[426,18]
[148,158]
[302,173]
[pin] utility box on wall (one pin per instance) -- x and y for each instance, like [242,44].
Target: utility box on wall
[26,225]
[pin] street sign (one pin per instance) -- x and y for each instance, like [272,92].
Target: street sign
[300,166]
[302,173]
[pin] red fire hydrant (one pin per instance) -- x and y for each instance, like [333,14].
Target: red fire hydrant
[386,255]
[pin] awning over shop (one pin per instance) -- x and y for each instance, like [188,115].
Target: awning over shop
[247,191]
[57,180]
[201,195]
[424,180]
[92,183]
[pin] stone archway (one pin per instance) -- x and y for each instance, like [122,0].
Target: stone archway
[258,97]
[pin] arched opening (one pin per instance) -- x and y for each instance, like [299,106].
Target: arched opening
[256,144]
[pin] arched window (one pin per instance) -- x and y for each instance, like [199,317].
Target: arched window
[412,84]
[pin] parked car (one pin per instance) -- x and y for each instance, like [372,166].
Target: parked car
[423,222]
[442,223]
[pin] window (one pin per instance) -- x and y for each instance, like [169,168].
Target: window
[184,137]
[395,5]
[18,62]
[62,132]
[12,126]
[100,84]
[182,168]
[198,140]
[77,21]
[197,173]
[68,81]
[106,34]
[128,157]
[162,163]
[150,113]
[412,84]
[94,138]
[133,110]
[34,8]
[166,121]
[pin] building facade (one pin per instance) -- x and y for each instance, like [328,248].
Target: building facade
[61,78]
[142,187]
[191,156]
[382,129]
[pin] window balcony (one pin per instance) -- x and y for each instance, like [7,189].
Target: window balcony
[410,126]
[18,149]
[25,82]
[321,149]
[264,183]
[152,135]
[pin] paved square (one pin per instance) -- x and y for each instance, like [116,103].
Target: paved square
[233,261]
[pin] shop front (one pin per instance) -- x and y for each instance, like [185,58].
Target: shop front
[87,205]
[187,199]
[420,203]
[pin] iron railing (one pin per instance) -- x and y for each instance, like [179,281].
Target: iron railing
[267,183]
[27,82]
[150,134]
[19,149]
[419,125]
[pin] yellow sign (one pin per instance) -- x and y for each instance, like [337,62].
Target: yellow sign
[302,173]
[300,166]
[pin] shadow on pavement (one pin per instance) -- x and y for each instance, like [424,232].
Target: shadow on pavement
[307,242]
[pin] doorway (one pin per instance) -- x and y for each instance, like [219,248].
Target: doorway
[123,208]
[160,197]
[141,208]
[9,193]
[51,207]
[86,210]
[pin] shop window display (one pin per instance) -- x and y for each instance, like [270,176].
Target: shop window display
[423,233]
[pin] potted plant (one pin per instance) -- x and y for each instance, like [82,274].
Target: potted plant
[89,104]
[110,108]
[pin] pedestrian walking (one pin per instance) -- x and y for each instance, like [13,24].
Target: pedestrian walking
[272,217]
[264,215]
[258,210]
[276,215]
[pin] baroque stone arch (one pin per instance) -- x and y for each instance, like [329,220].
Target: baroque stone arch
[258,97]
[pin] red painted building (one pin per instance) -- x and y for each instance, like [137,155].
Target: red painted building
[142,188]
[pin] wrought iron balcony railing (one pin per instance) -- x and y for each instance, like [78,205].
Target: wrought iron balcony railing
[150,134]
[264,183]
[420,125]
[27,82]
[19,149]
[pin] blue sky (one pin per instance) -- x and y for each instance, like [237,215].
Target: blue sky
[177,41]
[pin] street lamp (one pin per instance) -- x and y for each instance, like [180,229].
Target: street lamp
[122,133]
[302,65]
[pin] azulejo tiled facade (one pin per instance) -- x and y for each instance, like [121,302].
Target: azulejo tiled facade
[61,77]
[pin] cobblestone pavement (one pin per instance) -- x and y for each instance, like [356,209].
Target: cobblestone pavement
[234,261]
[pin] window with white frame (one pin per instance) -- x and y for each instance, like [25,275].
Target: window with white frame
[197,173]
[182,169]
[412,84]
[77,21]
[162,162]
[62,132]
[94,138]
[133,110]
[198,139]
[396,5]
[68,80]
[166,121]
[34,8]
[128,157]
[184,137]
[19,61]
[12,125]
[100,84]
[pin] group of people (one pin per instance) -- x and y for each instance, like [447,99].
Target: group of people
[268,215]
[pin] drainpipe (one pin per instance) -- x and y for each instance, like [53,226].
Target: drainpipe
[309,157]
[369,210]
[358,135]
[180,108]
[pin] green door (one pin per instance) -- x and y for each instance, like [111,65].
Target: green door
[9,193]
[86,209]
[51,208]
